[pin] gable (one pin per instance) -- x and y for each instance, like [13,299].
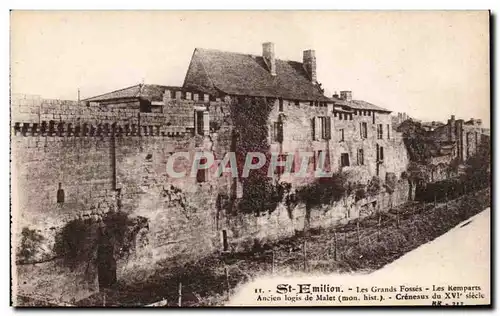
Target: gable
[196,76]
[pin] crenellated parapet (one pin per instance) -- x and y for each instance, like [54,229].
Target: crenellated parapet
[65,129]
[34,116]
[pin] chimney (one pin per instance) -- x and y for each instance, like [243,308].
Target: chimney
[309,60]
[346,95]
[451,129]
[268,55]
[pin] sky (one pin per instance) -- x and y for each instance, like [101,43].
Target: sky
[429,64]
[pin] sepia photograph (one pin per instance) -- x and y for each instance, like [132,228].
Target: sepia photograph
[250,158]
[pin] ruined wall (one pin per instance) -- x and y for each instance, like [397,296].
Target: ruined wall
[466,135]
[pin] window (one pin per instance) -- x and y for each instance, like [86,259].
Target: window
[334,114]
[379,131]
[344,160]
[201,174]
[280,105]
[380,153]
[311,103]
[297,102]
[373,117]
[326,127]
[225,244]
[341,135]
[388,131]
[340,116]
[60,194]
[321,127]
[277,135]
[361,157]
[363,129]
[317,160]
[199,122]
[281,169]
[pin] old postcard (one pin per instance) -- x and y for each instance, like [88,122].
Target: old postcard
[250,158]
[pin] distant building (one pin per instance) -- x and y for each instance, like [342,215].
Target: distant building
[466,136]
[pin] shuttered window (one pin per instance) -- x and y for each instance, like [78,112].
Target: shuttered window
[341,135]
[321,127]
[380,153]
[380,131]
[361,157]
[326,125]
[363,130]
[277,133]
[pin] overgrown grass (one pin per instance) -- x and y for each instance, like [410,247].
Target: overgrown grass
[209,282]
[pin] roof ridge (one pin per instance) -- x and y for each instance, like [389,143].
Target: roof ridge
[244,54]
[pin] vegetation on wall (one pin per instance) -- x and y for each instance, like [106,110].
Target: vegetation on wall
[416,141]
[475,175]
[31,242]
[250,117]
[79,239]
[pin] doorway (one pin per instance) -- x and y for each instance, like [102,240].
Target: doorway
[106,263]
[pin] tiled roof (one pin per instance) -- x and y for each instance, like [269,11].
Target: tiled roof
[125,93]
[150,92]
[363,105]
[244,74]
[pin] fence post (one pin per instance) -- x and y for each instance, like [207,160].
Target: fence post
[378,225]
[357,230]
[227,282]
[272,267]
[305,255]
[180,295]
[335,245]
[397,217]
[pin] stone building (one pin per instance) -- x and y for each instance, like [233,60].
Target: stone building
[81,161]
[355,135]
[464,136]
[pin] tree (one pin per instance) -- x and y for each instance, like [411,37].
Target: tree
[390,185]
[477,169]
[416,174]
